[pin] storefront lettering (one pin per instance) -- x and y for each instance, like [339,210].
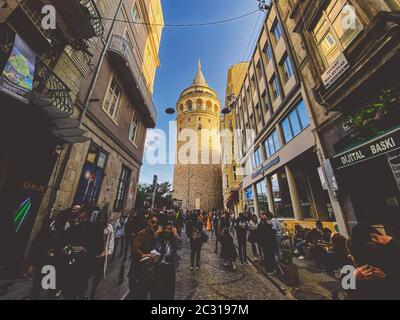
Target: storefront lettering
[382,146]
[376,147]
[266,166]
[31,186]
[352,157]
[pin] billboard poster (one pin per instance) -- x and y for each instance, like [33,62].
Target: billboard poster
[17,77]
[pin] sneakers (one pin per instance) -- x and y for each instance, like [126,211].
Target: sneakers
[197,268]
[234,267]
[247,263]
[301,258]
[191,268]
[225,264]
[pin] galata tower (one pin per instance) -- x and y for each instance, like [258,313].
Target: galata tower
[197,172]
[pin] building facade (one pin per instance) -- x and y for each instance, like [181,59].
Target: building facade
[111,105]
[231,172]
[197,172]
[39,83]
[276,141]
[353,52]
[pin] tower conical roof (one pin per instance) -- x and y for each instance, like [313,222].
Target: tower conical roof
[199,79]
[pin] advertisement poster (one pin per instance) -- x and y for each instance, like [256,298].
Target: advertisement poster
[17,77]
[394,162]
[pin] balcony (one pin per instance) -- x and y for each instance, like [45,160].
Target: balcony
[82,17]
[49,98]
[126,64]
[77,21]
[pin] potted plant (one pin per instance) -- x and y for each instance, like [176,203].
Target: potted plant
[287,270]
[380,114]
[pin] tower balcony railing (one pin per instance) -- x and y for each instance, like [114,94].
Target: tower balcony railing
[121,51]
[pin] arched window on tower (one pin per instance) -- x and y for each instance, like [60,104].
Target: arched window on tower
[209,105]
[199,127]
[216,108]
[189,105]
[181,108]
[199,104]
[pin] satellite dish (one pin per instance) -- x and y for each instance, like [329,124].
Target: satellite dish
[170,110]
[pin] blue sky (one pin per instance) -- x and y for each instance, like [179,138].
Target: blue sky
[218,47]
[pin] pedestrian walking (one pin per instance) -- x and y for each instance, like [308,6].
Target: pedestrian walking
[214,221]
[142,271]
[253,236]
[267,239]
[228,250]
[241,227]
[179,221]
[278,230]
[224,222]
[104,237]
[45,250]
[120,234]
[77,255]
[197,238]
[167,244]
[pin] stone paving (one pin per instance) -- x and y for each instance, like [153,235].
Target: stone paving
[213,281]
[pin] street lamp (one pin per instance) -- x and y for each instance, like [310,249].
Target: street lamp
[232,102]
[170,110]
[263,6]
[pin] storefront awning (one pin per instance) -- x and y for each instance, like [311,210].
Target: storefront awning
[376,146]
[232,199]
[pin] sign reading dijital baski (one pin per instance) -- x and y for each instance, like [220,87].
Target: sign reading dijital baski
[373,148]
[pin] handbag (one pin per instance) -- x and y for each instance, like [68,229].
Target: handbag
[204,237]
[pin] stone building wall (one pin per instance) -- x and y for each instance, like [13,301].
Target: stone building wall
[199,183]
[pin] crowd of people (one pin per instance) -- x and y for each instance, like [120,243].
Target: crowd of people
[82,243]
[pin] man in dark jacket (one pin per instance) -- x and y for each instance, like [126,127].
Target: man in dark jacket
[143,264]
[377,257]
[268,244]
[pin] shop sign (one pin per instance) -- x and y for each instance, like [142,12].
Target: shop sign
[368,150]
[17,77]
[266,167]
[335,71]
[32,186]
[394,162]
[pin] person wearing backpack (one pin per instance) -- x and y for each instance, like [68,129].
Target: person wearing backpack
[196,236]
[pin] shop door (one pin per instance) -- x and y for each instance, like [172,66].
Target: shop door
[374,193]
[89,186]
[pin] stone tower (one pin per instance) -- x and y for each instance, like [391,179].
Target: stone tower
[197,173]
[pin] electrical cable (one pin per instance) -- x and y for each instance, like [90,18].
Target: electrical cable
[186,25]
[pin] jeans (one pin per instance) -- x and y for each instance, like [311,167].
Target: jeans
[123,244]
[242,243]
[195,253]
[279,239]
[256,252]
[300,248]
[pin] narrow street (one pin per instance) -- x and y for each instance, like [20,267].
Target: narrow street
[211,282]
[214,282]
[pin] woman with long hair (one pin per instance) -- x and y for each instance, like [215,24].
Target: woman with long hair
[104,250]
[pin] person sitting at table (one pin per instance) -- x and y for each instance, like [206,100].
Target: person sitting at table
[337,256]
[299,241]
[315,251]
[326,233]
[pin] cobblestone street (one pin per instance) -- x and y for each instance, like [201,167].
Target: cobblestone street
[213,281]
